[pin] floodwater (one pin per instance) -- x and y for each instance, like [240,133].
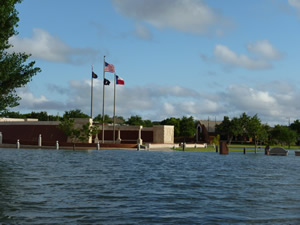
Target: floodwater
[147,187]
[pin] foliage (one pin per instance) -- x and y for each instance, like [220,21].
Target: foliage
[147,123]
[243,126]
[216,140]
[41,116]
[187,126]
[296,126]
[14,73]
[8,114]
[81,134]
[283,135]
[77,113]
[230,128]
[138,121]
[107,119]
[135,121]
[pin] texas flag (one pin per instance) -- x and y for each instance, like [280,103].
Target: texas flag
[109,68]
[119,80]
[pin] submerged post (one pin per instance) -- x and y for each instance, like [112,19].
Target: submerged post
[0,138]
[244,151]
[98,145]
[40,141]
[267,150]
[223,148]
[18,144]
[57,145]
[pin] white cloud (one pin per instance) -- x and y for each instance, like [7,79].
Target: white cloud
[30,102]
[264,53]
[295,4]
[226,56]
[273,102]
[192,16]
[264,49]
[245,98]
[47,47]
[169,109]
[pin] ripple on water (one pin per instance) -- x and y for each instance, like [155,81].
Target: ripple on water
[131,187]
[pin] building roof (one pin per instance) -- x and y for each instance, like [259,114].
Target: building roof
[210,124]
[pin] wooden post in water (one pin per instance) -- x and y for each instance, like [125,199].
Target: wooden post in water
[223,148]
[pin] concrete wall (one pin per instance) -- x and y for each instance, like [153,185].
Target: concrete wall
[17,120]
[163,134]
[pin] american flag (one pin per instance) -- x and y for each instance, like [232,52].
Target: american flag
[109,68]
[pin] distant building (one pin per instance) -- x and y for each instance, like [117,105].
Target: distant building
[27,131]
[206,131]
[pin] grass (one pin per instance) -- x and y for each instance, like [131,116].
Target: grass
[236,148]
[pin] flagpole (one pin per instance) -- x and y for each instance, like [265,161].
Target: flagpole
[103,100]
[92,94]
[114,135]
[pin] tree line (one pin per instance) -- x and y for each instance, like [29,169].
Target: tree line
[245,127]
[184,126]
[240,128]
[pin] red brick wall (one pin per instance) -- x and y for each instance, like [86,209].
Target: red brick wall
[30,133]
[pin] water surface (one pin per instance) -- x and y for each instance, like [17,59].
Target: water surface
[147,187]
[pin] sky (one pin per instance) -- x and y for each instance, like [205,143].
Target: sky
[200,58]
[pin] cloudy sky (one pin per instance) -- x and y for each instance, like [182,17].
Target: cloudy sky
[178,58]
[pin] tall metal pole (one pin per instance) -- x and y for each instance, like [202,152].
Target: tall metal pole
[103,100]
[208,124]
[114,130]
[92,94]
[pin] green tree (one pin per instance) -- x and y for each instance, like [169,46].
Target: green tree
[296,126]
[147,123]
[264,133]
[275,134]
[288,136]
[254,129]
[8,114]
[77,134]
[244,120]
[216,140]
[77,113]
[14,73]
[135,121]
[107,119]
[223,128]
[187,127]
[284,135]
[41,116]
[120,120]
[230,128]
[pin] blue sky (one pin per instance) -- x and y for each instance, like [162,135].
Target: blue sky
[178,57]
